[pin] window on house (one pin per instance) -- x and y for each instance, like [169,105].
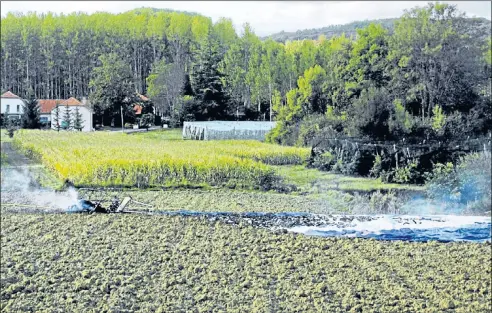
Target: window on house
[18,108]
[8,108]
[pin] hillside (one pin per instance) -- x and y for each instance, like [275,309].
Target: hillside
[350,29]
[146,10]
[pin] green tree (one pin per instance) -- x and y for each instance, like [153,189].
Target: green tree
[112,85]
[30,116]
[435,60]
[207,82]
[66,119]
[165,85]
[78,123]
[56,118]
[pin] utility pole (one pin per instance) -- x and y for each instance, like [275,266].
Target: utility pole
[122,125]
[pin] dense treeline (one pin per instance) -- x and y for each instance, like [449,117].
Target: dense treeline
[429,79]
[430,74]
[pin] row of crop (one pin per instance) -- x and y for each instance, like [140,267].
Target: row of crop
[135,263]
[116,159]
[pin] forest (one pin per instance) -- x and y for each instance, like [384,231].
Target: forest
[430,74]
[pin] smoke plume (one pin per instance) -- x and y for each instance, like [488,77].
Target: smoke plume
[19,187]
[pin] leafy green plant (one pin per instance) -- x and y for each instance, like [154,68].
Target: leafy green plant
[466,183]
[407,173]
[376,167]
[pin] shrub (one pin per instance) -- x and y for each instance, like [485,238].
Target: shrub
[376,167]
[408,173]
[467,183]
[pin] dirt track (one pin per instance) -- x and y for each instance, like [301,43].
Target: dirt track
[16,159]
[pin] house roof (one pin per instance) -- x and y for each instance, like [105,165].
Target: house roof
[71,101]
[46,105]
[138,109]
[8,94]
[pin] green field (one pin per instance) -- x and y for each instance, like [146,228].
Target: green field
[116,159]
[128,263]
[162,158]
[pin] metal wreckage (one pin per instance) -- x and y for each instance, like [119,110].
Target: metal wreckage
[115,206]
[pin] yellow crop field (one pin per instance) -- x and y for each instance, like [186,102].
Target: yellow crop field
[116,159]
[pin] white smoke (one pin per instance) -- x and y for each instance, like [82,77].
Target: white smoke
[19,187]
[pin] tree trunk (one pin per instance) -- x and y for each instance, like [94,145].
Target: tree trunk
[270,88]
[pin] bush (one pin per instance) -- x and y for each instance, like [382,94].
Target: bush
[147,120]
[408,173]
[376,167]
[467,183]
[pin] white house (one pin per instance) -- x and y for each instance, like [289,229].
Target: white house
[12,105]
[45,107]
[71,104]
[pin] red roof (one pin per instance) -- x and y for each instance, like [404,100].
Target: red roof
[71,101]
[8,94]
[47,105]
[138,109]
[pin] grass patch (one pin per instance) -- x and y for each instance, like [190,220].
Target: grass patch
[3,158]
[4,137]
[316,181]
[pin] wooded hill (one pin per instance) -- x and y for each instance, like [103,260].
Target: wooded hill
[350,29]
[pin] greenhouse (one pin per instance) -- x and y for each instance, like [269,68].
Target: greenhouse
[217,130]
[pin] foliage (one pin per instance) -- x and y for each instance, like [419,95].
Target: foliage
[112,85]
[78,123]
[30,115]
[147,120]
[407,173]
[165,85]
[438,119]
[67,121]
[466,183]
[418,59]
[56,118]
[11,127]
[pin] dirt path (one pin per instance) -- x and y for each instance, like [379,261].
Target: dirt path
[16,162]
[15,159]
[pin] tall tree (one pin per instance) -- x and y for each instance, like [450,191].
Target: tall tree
[56,118]
[435,61]
[165,85]
[30,116]
[206,80]
[67,118]
[113,87]
[78,122]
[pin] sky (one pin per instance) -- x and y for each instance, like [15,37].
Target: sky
[265,17]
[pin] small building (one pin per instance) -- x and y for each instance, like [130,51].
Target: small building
[72,104]
[12,105]
[45,107]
